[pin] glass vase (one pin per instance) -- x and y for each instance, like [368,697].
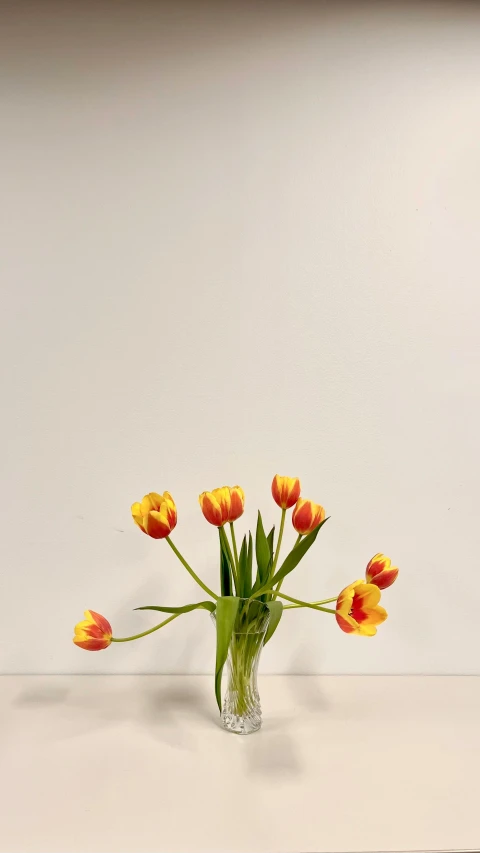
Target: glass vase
[241,712]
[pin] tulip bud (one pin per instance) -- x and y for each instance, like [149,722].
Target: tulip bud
[155,515]
[285,491]
[307,516]
[94,633]
[381,572]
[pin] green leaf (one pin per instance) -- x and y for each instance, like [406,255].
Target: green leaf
[199,605]
[247,581]
[293,559]
[264,556]
[225,567]
[276,610]
[270,540]
[262,551]
[242,568]
[226,613]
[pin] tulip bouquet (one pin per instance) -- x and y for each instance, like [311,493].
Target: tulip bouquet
[250,605]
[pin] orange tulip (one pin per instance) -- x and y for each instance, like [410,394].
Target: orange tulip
[358,611]
[156,515]
[94,633]
[307,516]
[222,505]
[285,491]
[381,572]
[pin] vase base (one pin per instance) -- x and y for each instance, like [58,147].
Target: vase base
[241,725]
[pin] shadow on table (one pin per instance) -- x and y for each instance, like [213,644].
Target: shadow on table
[272,753]
[164,712]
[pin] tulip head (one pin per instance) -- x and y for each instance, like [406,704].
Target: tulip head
[285,491]
[222,505]
[381,572]
[94,633]
[307,516]
[156,515]
[358,610]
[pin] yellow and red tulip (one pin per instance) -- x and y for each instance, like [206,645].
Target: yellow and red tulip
[307,516]
[358,610]
[94,633]
[222,505]
[285,491]
[156,515]
[381,572]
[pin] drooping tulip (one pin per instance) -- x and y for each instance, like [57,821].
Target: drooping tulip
[94,633]
[381,572]
[358,610]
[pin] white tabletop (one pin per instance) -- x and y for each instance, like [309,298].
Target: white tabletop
[138,764]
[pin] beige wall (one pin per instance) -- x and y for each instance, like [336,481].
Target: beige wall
[239,239]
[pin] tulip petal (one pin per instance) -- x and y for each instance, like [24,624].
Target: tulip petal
[137,515]
[156,524]
[222,496]
[100,621]
[237,503]
[376,616]
[211,508]
[346,623]
[366,630]
[384,579]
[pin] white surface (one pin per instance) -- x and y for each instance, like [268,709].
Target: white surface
[239,239]
[116,764]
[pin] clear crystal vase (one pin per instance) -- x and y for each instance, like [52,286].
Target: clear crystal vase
[241,713]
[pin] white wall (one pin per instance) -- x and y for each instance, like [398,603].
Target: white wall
[239,239]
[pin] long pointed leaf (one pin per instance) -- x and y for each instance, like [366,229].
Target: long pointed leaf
[262,551]
[270,540]
[247,582]
[199,605]
[225,567]
[296,554]
[276,610]
[242,568]
[226,613]
[262,573]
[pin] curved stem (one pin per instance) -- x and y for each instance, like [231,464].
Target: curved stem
[190,570]
[295,606]
[300,603]
[144,633]
[279,585]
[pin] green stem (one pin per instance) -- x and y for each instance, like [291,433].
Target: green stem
[298,602]
[144,633]
[279,542]
[279,585]
[306,603]
[325,601]
[190,570]
[234,543]
[225,541]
